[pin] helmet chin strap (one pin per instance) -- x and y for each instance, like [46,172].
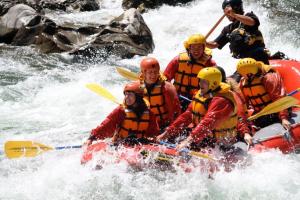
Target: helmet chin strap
[213,91]
[209,93]
[250,77]
[192,59]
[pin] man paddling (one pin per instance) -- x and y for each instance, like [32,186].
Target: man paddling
[242,34]
[212,115]
[131,122]
[260,85]
[183,69]
[161,94]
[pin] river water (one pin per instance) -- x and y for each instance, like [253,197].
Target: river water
[43,98]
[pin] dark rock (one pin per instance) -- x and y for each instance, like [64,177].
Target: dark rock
[40,5]
[142,4]
[16,17]
[125,36]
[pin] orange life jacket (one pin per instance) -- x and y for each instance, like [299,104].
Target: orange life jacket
[185,80]
[133,126]
[157,101]
[225,131]
[256,93]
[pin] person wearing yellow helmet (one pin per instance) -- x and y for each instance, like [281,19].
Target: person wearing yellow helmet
[260,85]
[183,69]
[212,115]
[161,94]
[242,34]
[131,122]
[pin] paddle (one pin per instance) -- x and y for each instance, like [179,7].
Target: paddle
[215,26]
[278,105]
[294,92]
[191,153]
[127,73]
[133,76]
[16,149]
[102,92]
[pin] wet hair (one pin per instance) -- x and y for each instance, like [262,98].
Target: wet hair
[236,5]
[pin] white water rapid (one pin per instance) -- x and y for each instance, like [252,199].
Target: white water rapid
[43,98]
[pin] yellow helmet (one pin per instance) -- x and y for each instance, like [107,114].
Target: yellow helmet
[212,75]
[194,39]
[247,66]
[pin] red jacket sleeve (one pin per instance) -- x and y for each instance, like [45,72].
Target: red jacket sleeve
[210,63]
[153,129]
[182,121]
[219,110]
[274,87]
[110,124]
[172,68]
[172,101]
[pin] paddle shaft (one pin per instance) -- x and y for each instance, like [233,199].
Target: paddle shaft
[184,98]
[68,147]
[215,26]
[185,150]
[293,92]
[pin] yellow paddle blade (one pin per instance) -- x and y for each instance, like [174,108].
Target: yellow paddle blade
[202,155]
[16,149]
[276,106]
[102,92]
[127,73]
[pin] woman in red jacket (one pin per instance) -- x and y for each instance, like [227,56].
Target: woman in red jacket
[162,95]
[131,122]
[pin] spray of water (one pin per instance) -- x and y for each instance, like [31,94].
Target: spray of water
[43,98]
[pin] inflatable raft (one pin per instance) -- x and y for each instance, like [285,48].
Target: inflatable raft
[162,157]
[270,137]
[131,154]
[290,73]
[276,137]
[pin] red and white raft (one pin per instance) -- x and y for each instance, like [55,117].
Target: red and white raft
[273,136]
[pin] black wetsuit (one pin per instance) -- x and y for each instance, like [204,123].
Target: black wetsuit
[239,48]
